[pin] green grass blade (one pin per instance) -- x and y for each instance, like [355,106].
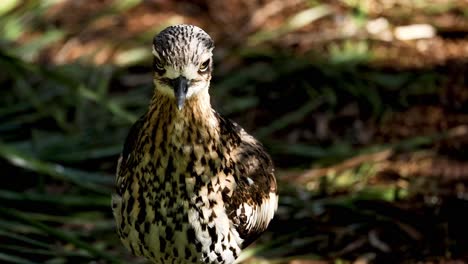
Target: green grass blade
[288,119]
[91,181]
[58,199]
[22,238]
[14,259]
[59,234]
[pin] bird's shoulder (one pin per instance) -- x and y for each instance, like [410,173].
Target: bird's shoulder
[132,136]
[254,200]
[252,159]
[130,144]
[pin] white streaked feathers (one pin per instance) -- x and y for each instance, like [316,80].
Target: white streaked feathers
[259,215]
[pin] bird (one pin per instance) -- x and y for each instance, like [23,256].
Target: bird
[191,185]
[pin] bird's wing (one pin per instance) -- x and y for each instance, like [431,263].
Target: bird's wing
[255,199]
[126,155]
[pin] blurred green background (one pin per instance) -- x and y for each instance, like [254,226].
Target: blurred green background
[362,105]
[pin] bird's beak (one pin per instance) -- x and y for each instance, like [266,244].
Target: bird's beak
[180,86]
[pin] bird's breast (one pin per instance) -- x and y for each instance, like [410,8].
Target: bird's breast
[181,212]
[174,211]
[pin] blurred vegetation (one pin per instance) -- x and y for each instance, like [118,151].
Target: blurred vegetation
[366,121]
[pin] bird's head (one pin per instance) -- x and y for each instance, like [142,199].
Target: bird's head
[182,62]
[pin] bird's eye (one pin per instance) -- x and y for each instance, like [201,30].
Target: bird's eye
[158,64]
[204,65]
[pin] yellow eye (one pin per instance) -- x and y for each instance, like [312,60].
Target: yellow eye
[204,65]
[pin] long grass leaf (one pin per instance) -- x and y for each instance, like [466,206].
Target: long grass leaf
[59,234]
[14,259]
[22,238]
[288,119]
[59,199]
[88,180]
[44,252]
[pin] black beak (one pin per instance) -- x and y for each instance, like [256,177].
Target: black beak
[180,86]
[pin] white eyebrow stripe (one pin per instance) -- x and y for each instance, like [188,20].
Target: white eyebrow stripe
[206,56]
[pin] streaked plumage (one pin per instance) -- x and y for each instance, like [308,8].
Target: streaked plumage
[192,186]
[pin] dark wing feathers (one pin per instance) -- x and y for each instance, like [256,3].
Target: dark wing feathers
[129,145]
[254,190]
[132,137]
[254,201]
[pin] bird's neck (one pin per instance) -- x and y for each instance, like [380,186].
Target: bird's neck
[196,112]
